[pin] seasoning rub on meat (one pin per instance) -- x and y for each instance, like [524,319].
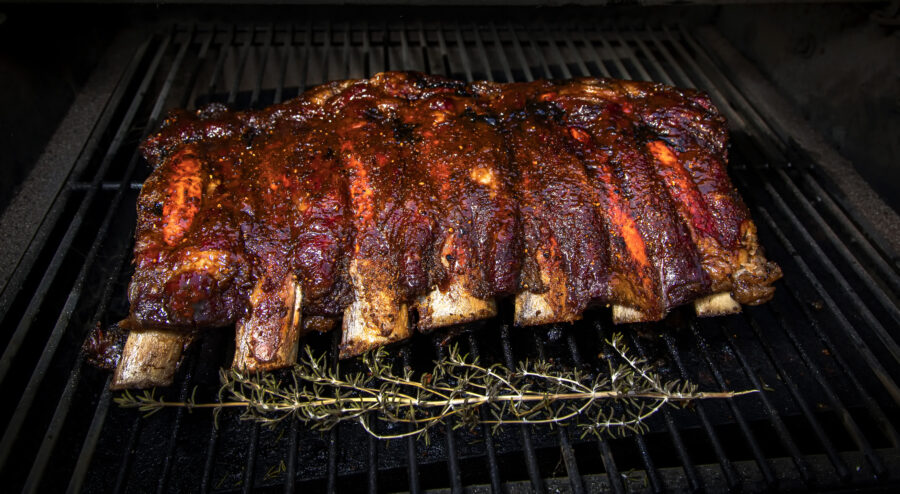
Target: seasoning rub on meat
[413,200]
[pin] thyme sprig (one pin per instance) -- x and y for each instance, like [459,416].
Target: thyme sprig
[536,392]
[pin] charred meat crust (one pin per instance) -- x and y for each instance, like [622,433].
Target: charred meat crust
[578,192]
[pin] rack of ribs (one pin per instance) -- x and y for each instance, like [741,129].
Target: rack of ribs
[408,201]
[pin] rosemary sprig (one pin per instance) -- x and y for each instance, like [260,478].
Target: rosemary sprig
[459,386]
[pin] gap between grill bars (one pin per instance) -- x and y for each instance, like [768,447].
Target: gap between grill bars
[825,348]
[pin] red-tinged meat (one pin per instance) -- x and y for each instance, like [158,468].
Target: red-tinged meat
[633,282]
[668,243]
[211,123]
[695,135]
[564,240]
[190,270]
[393,230]
[460,154]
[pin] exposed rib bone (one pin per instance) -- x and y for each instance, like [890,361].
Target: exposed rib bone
[717,304]
[150,358]
[622,314]
[533,309]
[549,307]
[268,338]
[376,317]
[453,306]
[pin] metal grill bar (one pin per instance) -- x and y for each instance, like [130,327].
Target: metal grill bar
[873,362]
[32,483]
[783,434]
[248,66]
[493,468]
[728,469]
[761,462]
[29,394]
[873,408]
[452,454]
[690,470]
[90,441]
[12,288]
[537,481]
[847,256]
[763,465]
[815,424]
[122,476]
[206,477]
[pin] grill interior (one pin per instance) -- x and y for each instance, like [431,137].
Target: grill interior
[825,350]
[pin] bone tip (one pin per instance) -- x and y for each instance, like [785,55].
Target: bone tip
[150,358]
[133,381]
[533,309]
[365,329]
[454,306]
[623,314]
[718,304]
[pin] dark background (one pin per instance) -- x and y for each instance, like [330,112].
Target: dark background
[838,64]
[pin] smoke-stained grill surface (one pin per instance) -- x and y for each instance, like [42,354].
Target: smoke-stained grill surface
[360,198]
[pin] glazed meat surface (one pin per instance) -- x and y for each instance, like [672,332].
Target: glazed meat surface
[408,200]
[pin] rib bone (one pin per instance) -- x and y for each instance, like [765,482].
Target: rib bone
[623,314]
[455,305]
[150,358]
[268,338]
[376,317]
[549,307]
[717,304]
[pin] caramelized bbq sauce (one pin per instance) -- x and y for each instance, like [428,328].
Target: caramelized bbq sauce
[381,170]
[605,112]
[633,279]
[393,224]
[190,267]
[690,127]
[565,249]
[458,153]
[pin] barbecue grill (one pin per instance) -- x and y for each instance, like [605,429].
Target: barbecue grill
[825,351]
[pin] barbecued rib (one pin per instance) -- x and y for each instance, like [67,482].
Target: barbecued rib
[694,212]
[676,265]
[391,231]
[566,262]
[269,331]
[361,197]
[632,289]
[189,267]
[691,141]
[686,119]
[462,158]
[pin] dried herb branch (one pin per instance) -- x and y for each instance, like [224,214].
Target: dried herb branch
[536,392]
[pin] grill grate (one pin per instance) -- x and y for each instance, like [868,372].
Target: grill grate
[825,348]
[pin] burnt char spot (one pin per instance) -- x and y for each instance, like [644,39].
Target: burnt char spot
[248,136]
[373,114]
[477,117]
[103,346]
[404,132]
[211,111]
[420,81]
[547,110]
